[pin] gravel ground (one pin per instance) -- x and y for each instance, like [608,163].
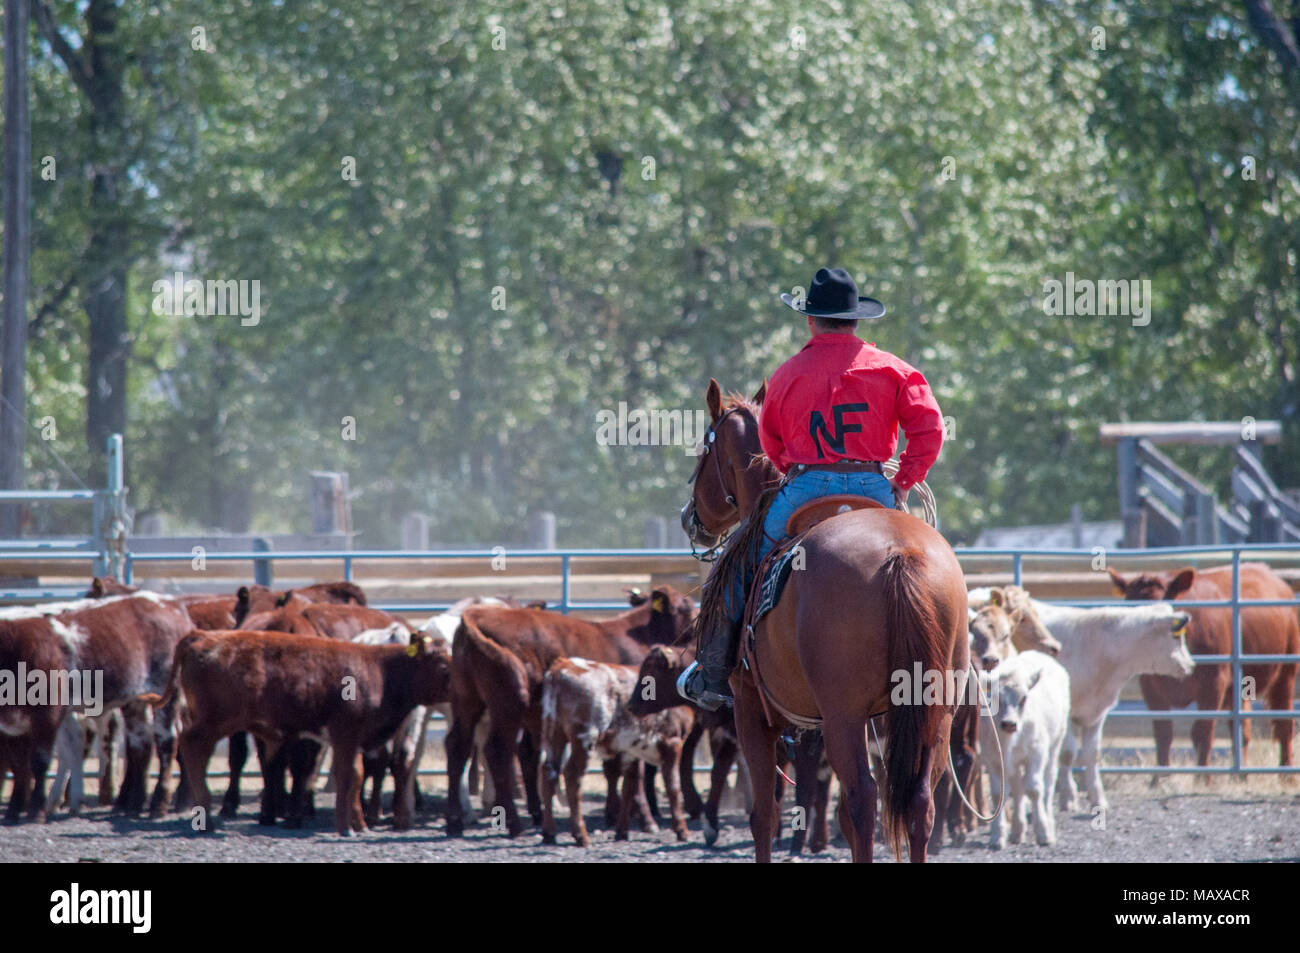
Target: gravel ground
[1256,820]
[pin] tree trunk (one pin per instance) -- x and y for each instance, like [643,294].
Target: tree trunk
[105,303]
[17,248]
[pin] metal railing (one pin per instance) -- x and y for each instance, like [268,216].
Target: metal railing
[1233,553]
[1236,658]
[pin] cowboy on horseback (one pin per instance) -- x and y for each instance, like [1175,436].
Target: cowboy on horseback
[830,417]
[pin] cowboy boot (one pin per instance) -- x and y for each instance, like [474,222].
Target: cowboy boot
[705,681]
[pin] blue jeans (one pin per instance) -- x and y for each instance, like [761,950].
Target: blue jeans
[800,489]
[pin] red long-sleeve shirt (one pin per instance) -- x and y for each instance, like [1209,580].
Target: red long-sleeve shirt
[841,398]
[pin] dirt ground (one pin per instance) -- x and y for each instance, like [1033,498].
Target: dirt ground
[1180,819]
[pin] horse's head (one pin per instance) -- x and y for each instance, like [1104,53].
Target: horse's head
[731,472]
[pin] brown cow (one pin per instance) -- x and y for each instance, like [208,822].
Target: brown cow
[126,639]
[279,685]
[261,599]
[1264,631]
[500,657]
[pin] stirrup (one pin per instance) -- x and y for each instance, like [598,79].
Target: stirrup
[690,686]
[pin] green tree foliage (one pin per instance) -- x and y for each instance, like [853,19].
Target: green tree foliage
[475,226]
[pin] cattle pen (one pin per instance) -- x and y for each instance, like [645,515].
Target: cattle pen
[594,581]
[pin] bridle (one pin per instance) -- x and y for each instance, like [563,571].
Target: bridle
[706,451]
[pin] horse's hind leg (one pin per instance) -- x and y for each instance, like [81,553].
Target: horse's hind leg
[920,811]
[758,744]
[846,747]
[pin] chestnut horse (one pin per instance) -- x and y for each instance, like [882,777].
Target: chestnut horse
[880,592]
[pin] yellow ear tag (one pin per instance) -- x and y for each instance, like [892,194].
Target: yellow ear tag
[658,604]
[413,649]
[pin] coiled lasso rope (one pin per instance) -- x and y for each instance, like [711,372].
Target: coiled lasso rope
[929,512]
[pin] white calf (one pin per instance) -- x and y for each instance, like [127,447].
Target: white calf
[1030,694]
[1103,648]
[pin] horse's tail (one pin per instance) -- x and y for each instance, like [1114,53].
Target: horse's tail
[914,636]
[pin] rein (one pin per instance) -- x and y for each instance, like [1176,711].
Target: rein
[706,451]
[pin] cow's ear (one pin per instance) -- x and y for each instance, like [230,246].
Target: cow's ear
[997,597]
[1033,679]
[761,393]
[284,599]
[635,597]
[1180,583]
[96,588]
[1118,581]
[714,399]
[659,601]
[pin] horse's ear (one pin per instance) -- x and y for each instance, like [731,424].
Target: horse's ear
[1180,583]
[714,399]
[761,392]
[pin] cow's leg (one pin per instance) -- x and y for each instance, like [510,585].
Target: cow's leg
[1072,750]
[574,769]
[135,720]
[995,769]
[639,799]
[300,756]
[273,756]
[196,750]
[1015,800]
[237,755]
[374,768]
[459,744]
[691,801]
[500,754]
[404,761]
[648,772]
[1090,759]
[1155,694]
[348,817]
[1279,699]
[549,776]
[724,756]
[69,749]
[1212,691]
[633,792]
[20,763]
[758,745]
[613,770]
[106,739]
[670,757]
[164,735]
[527,751]
[807,757]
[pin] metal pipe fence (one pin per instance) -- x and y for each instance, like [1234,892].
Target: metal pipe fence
[1237,715]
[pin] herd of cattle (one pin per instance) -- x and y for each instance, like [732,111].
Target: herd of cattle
[530,695]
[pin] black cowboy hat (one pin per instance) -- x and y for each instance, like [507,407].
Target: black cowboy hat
[834,294]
